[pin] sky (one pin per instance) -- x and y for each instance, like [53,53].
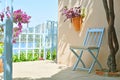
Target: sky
[39,10]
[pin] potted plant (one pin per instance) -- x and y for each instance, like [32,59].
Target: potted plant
[75,14]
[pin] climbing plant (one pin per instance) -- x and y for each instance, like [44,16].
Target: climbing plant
[19,18]
[112,37]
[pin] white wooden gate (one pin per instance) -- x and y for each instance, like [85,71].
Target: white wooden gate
[41,37]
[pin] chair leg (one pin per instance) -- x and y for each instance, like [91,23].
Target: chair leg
[95,60]
[91,67]
[100,66]
[79,59]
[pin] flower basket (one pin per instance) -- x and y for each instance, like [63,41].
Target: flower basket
[77,23]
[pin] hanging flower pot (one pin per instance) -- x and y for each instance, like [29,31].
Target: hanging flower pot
[77,23]
[75,14]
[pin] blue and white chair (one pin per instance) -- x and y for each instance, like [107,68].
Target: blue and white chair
[92,43]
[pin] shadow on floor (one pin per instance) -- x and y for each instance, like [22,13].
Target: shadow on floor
[68,74]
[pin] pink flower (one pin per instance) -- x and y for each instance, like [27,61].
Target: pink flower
[19,25]
[14,40]
[2,16]
[19,17]
[72,12]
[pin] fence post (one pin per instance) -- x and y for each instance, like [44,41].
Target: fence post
[8,50]
[19,47]
[43,40]
[26,43]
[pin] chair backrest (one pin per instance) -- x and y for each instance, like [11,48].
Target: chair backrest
[94,37]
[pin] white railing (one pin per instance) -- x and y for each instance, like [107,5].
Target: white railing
[41,38]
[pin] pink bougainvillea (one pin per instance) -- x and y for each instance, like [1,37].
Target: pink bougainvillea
[19,18]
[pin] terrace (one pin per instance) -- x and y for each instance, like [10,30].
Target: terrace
[43,52]
[49,70]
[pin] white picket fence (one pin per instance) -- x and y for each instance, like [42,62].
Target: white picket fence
[43,37]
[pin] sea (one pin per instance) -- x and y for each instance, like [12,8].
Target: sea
[22,46]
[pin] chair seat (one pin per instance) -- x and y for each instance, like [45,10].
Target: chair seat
[84,47]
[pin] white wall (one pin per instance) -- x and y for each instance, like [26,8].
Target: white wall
[95,17]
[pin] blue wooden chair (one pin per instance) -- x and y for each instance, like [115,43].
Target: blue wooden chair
[92,43]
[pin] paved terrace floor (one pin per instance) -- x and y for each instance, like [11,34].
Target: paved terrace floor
[48,70]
